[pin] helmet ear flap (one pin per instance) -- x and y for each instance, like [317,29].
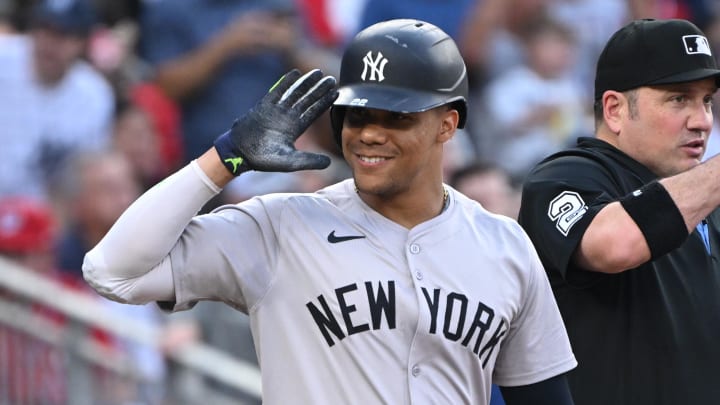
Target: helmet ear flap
[337,116]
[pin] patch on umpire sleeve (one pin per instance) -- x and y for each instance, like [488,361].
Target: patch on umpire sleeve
[565,210]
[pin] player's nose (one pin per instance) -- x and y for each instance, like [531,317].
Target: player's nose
[372,133]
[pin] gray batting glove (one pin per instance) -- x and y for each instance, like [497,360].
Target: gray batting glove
[264,138]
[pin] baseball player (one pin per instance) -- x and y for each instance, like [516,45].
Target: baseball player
[387,288]
[627,224]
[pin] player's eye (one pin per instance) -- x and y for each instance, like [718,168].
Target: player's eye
[399,117]
[356,116]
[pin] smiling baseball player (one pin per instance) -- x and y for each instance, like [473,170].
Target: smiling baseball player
[387,288]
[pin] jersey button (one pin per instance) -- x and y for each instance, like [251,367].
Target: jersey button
[415,371]
[414,248]
[418,275]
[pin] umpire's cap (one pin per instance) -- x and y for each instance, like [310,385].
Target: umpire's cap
[649,52]
[404,66]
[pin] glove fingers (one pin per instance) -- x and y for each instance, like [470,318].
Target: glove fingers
[319,91]
[317,108]
[280,87]
[300,87]
[300,160]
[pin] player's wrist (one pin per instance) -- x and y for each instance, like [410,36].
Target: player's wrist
[229,156]
[213,169]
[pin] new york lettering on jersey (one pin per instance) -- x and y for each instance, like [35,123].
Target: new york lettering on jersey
[452,315]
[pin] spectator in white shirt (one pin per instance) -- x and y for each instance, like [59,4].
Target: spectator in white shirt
[53,103]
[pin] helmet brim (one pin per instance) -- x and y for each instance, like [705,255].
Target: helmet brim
[389,98]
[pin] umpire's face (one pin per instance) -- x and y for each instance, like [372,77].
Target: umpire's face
[392,153]
[664,127]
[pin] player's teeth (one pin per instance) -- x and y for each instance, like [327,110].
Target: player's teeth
[371,159]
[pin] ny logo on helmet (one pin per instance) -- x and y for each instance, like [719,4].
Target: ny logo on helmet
[375,66]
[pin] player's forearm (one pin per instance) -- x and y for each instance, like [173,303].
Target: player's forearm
[146,232]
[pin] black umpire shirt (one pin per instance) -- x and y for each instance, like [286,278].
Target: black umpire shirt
[649,335]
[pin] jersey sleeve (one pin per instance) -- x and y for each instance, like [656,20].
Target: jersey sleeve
[227,255]
[537,345]
[560,198]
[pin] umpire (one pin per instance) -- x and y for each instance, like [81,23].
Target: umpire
[627,224]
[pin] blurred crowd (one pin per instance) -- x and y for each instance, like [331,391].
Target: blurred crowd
[103,98]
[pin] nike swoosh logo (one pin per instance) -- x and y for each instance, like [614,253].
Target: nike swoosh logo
[337,239]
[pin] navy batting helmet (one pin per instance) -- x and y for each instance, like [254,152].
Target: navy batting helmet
[402,66]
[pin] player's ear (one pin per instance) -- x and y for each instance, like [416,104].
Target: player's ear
[448,124]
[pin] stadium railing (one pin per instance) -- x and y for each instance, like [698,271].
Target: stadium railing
[36,352]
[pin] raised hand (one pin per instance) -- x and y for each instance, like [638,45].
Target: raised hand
[264,138]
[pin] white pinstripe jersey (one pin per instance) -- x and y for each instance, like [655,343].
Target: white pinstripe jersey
[347,306]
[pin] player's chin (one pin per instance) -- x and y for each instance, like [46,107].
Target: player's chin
[369,184]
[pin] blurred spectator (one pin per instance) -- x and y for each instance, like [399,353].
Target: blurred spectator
[6,14]
[164,114]
[489,36]
[492,40]
[147,132]
[331,23]
[32,371]
[27,233]
[592,23]
[135,136]
[113,12]
[92,191]
[448,14]
[53,103]
[112,50]
[537,107]
[216,58]
[697,11]
[489,185]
